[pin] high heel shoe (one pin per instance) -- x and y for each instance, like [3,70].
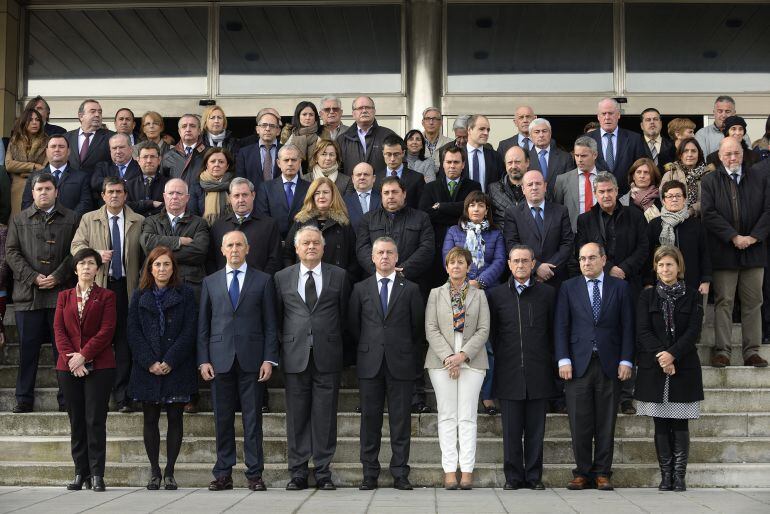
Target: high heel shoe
[450,481]
[466,481]
[98,483]
[78,483]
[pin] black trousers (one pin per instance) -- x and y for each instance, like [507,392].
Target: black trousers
[592,407]
[523,418]
[87,400]
[373,392]
[35,329]
[226,388]
[120,341]
[311,420]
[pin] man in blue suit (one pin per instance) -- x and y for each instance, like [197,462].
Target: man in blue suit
[259,162]
[282,197]
[594,347]
[364,197]
[237,349]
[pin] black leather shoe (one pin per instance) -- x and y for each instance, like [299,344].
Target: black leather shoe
[79,482]
[491,410]
[265,409]
[191,408]
[99,484]
[536,486]
[154,483]
[62,408]
[257,484]
[169,484]
[22,408]
[627,407]
[326,484]
[420,408]
[125,408]
[296,484]
[221,484]
[402,484]
[368,484]
[512,486]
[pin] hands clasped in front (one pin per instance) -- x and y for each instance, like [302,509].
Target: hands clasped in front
[624,372]
[452,363]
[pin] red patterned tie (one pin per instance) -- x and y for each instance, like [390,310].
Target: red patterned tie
[84,148]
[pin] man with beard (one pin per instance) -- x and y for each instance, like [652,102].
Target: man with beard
[507,191]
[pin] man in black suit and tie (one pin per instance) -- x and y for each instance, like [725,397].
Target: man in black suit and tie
[282,197]
[121,165]
[145,191]
[89,142]
[394,151]
[311,298]
[237,349]
[543,226]
[72,185]
[618,148]
[522,119]
[545,155]
[389,354]
[364,197]
[594,347]
[482,164]
[259,162]
[658,148]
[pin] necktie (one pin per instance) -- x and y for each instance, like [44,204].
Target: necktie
[311,296]
[122,170]
[543,163]
[235,289]
[363,198]
[525,143]
[188,151]
[384,295]
[394,173]
[537,211]
[653,151]
[521,288]
[609,156]
[452,188]
[174,223]
[147,181]
[475,175]
[588,190]
[735,178]
[84,148]
[116,263]
[57,175]
[596,301]
[267,165]
[288,186]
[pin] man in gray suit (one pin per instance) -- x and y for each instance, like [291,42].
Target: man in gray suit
[237,349]
[312,297]
[574,189]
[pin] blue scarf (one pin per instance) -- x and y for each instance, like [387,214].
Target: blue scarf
[160,296]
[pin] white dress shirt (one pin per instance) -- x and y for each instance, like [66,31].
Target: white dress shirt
[482,165]
[317,277]
[241,276]
[392,280]
[581,188]
[82,139]
[614,142]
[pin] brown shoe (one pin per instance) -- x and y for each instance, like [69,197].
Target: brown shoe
[257,484]
[756,361]
[579,483]
[191,408]
[604,484]
[221,484]
[720,361]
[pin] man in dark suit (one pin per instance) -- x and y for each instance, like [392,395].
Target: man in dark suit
[389,353]
[524,366]
[543,226]
[394,151]
[545,155]
[594,347]
[237,349]
[364,140]
[125,123]
[253,160]
[264,257]
[522,119]
[311,300]
[89,143]
[364,197]
[482,164]
[72,185]
[618,148]
[443,200]
[145,191]
[121,165]
[282,197]
[185,159]
[658,148]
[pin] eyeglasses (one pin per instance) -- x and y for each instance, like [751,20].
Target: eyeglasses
[364,108]
[521,261]
[431,119]
[673,197]
[266,126]
[327,110]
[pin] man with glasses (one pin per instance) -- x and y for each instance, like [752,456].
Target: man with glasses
[434,139]
[521,118]
[363,141]
[331,115]
[258,162]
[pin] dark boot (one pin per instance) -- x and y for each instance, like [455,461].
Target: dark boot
[665,460]
[681,447]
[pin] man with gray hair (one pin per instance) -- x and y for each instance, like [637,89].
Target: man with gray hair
[88,143]
[282,197]
[521,118]
[574,189]
[363,141]
[331,115]
[710,136]
[434,139]
[185,159]
[121,165]
[460,130]
[258,162]
[545,156]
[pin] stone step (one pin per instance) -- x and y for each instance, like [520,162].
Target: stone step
[706,351]
[423,449]
[348,425]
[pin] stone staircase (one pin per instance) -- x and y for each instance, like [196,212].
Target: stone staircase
[730,443]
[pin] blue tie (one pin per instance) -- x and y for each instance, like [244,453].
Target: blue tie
[57,174]
[475,175]
[735,178]
[363,198]
[122,170]
[537,212]
[521,288]
[234,289]
[289,193]
[384,295]
[543,164]
[609,156]
[116,263]
[596,303]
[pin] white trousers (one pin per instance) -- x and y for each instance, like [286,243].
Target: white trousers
[457,401]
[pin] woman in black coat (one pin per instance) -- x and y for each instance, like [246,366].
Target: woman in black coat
[669,385]
[162,330]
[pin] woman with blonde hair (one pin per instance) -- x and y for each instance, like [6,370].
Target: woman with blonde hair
[26,153]
[215,133]
[326,161]
[209,194]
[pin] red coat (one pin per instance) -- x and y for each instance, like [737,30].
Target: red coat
[93,336]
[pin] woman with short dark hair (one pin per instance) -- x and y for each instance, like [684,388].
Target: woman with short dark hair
[209,194]
[689,168]
[415,155]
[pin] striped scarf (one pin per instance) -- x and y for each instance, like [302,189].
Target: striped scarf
[458,305]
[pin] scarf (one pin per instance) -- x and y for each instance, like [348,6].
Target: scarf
[667,296]
[458,304]
[216,194]
[412,160]
[306,131]
[217,138]
[319,172]
[692,177]
[669,221]
[644,198]
[160,296]
[474,241]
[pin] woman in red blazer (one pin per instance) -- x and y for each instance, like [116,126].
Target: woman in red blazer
[84,325]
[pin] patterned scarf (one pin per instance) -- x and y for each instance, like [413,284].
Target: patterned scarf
[667,296]
[693,177]
[474,241]
[669,221]
[319,172]
[216,194]
[160,295]
[644,198]
[458,304]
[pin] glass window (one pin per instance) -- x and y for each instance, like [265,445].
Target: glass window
[310,49]
[529,47]
[697,47]
[117,52]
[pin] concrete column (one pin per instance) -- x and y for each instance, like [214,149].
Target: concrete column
[423,58]
[9,63]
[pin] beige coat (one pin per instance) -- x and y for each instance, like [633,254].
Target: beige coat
[20,162]
[94,232]
[439,328]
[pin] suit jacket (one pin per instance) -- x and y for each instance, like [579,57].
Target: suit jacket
[271,201]
[103,170]
[74,190]
[559,162]
[248,164]
[450,207]
[141,198]
[98,149]
[628,148]
[264,242]
[247,331]
[667,152]
[495,167]
[191,259]
[52,130]
[91,337]
[566,192]
[353,153]
[322,328]
[394,336]
[554,246]
[412,180]
[343,182]
[507,143]
[175,164]
[575,330]
[355,213]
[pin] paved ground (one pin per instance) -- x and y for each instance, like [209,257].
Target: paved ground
[188,501]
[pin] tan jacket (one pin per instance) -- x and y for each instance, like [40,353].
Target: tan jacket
[439,328]
[94,232]
[19,163]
